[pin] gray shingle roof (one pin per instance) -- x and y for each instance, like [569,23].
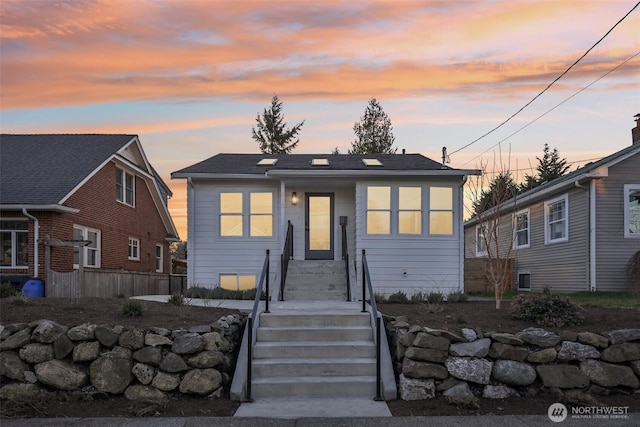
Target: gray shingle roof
[247,163]
[43,169]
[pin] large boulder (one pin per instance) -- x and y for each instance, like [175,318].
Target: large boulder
[146,394]
[478,348]
[546,355]
[36,353]
[506,351]
[47,331]
[431,341]
[426,354]
[474,370]
[415,369]
[206,359]
[609,375]
[416,389]
[106,335]
[143,373]
[505,338]
[625,352]
[188,343]
[498,392]
[16,340]
[595,340]
[166,382]
[562,376]
[132,339]
[84,332]
[173,363]
[156,340]
[149,355]
[201,381]
[11,366]
[576,351]
[622,335]
[515,373]
[111,373]
[539,337]
[86,351]
[61,375]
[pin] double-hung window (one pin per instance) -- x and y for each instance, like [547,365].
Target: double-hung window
[242,211]
[521,229]
[125,187]
[410,210]
[134,249]
[159,258]
[14,238]
[379,210]
[441,211]
[481,240]
[237,282]
[632,210]
[556,220]
[90,252]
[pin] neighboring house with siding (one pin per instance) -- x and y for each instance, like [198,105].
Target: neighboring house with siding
[405,210]
[575,233]
[97,192]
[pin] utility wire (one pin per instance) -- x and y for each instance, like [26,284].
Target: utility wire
[549,85]
[556,106]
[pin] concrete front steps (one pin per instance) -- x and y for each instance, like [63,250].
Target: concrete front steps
[311,280]
[302,354]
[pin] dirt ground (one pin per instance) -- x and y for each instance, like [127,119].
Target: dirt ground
[453,316]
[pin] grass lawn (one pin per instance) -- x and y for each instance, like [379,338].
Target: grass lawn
[601,299]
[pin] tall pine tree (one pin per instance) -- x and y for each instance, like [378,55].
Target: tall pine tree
[271,131]
[373,132]
[550,167]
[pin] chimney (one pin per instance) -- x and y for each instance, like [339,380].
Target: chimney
[635,132]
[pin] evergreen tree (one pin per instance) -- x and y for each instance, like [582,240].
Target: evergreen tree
[272,134]
[551,166]
[501,189]
[373,132]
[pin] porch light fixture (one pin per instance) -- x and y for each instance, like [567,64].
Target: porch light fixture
[294,198]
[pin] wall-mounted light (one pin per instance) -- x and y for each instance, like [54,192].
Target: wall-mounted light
[294,198]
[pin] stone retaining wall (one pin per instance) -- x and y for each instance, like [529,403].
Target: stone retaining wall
[470,364]
[143,364]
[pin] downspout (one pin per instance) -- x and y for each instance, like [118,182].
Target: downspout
[36,237]
[461,238]
[592,231]
[190,232]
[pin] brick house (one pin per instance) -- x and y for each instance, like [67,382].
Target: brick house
[90,197]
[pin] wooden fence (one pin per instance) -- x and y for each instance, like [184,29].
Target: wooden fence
[475,278]
[105,284]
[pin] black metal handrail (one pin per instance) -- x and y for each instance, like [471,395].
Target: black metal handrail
[264,278]
[366,283]
[287,254]
[345,258]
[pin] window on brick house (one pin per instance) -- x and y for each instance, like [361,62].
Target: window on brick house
[159,258]
[91,252]
[125,187]
[134,249]
[14,238]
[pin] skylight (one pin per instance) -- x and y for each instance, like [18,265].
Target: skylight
[267,162]
[320,162]
[372,162]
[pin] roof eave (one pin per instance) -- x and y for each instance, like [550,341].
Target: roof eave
[276,173]
[53,208]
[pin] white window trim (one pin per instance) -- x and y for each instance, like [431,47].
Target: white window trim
[390,210]
[547,239]
[518,280]
[484,253]
[627,219]
[14,245]
[133,243]
[237,276]
[122,198]
[515,229]
[98,248]
[160,259]
[246,214]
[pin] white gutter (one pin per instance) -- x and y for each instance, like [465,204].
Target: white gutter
[190,232]
[461,231]
[592,233]
[53,208]
[274,173]
[36,237]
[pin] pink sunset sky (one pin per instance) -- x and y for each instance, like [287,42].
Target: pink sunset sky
[190,76]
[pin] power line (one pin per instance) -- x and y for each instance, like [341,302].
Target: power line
[556,106]
[549,85]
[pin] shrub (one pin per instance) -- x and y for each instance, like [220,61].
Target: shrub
[132,308]
[457,297]
[177,300]
[18,298]
[219,293]
[398,298]
[546,309]
[380,298]
[434,298]
[6,290]
[417,297]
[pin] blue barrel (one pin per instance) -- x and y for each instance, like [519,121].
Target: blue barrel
[33,288]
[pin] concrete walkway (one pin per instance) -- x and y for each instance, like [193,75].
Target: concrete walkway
[294,408]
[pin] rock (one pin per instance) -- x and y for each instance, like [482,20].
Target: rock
[505,351]
[161,331]
[609,375]
[106,336]
[172,363]
[576,351]
[451,336]
[562,376]
[431,341]
[416,389]
[635,366]
[426,354]
[474,370]
[146,394]
[155,340]
[447,384]
[420,370]
[16,340]
[595,340]
[478,348]
[513,373]
[148,355]
[201,381]
[206,359]
[202,329]
[143,373]
[568,335]
[36,353]
[625,352]
[111,373]
[133,339]
[62,347]
[547,355]
[507,339]
[539,337]
[11,366]
[459,390]
[86,351]
[61,375]
[21,392]
[623,335]
[498,392]
[84,332]
[30,377]
[469,334]
[215,341]
[165,382]
[188,343]
[47,331]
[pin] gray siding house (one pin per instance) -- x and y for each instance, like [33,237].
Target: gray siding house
[575,233]
[405,210]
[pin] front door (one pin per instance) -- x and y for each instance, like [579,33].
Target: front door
[319,226]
